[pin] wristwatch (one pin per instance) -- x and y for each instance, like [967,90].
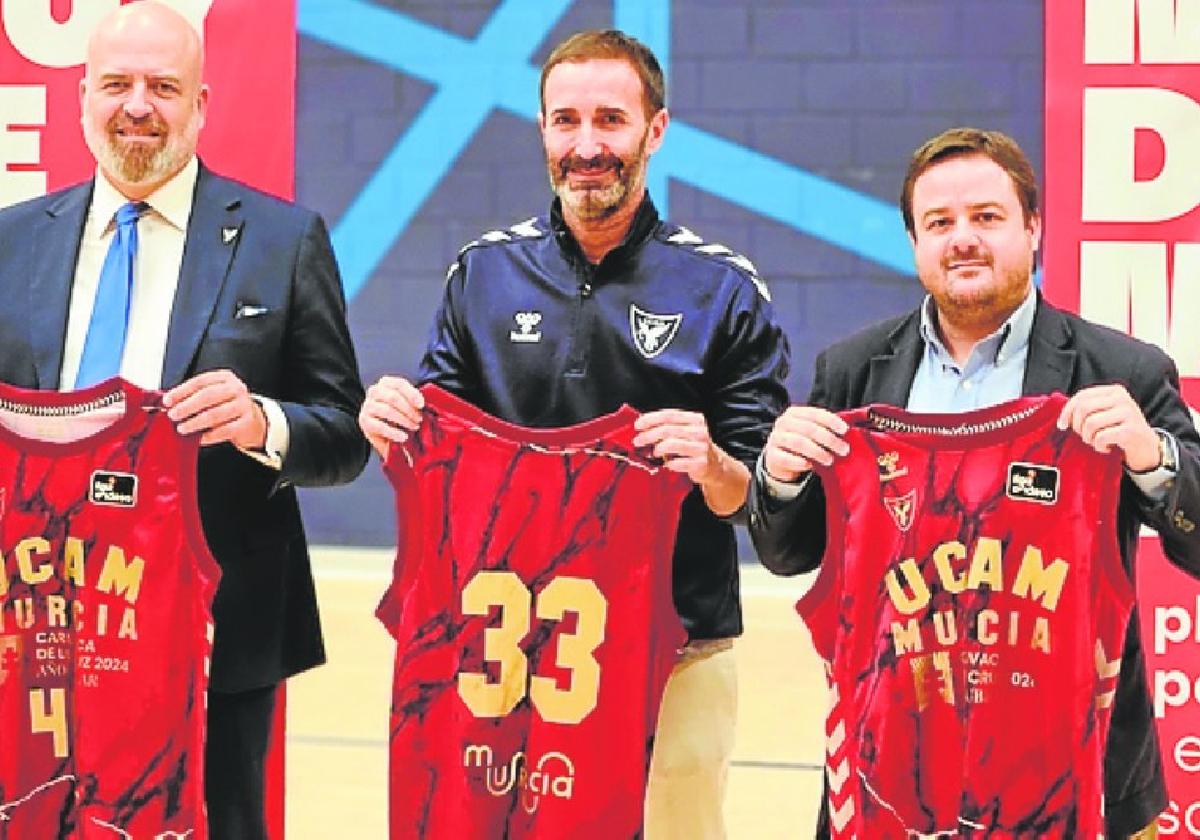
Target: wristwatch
[1166,451]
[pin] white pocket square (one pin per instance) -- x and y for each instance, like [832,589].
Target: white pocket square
[249,310]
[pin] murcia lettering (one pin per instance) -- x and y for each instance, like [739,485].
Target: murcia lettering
[552,775]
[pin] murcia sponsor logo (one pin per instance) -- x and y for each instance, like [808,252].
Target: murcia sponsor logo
[113,488]
[552,775]
[526,332]
[652,333]
[1032,483]
[889,467]
[902,508]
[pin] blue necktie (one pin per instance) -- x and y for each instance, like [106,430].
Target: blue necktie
[105,340]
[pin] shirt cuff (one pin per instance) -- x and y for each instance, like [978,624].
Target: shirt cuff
[782,491]
[275,448]
[1156,484]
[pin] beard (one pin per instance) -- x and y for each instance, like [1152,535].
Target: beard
[980,304]
[593,203]
[142,163]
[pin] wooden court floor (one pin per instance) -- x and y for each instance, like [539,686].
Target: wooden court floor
[337,714]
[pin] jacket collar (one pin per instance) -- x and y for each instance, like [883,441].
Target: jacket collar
[644,222]
[1049,367]
[215,230]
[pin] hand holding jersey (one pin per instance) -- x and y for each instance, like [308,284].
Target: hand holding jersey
[390,412]
[217,404]
[1106,416]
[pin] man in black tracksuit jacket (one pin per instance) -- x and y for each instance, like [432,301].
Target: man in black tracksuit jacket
[559,319]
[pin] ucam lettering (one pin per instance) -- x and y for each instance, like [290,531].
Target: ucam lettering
[119,575]
[1034,580]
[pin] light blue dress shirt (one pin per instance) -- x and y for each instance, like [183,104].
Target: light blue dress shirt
[992,373]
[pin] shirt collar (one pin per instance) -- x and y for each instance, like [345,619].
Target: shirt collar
[1010,337]
[172,201]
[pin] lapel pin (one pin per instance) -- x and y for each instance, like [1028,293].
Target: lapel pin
[228,234]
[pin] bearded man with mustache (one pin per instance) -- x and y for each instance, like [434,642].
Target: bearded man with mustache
[982,336]
[562,318]
[233,307]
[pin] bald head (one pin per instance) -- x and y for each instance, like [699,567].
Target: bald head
[141,97]
[136,25]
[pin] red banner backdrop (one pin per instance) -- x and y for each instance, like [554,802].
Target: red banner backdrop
[250,67]
[1122,247]
[250,134]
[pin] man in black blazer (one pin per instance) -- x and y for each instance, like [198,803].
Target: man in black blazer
[982,336]
[237,310]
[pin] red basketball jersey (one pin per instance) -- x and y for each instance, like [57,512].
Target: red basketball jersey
[971,609]
[532,609]
[105,628]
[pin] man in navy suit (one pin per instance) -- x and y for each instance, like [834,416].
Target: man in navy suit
[236,310]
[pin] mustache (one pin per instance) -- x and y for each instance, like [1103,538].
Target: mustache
[575,163]
[973,255]
[121,121]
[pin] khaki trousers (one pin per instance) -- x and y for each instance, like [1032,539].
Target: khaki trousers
[685,795]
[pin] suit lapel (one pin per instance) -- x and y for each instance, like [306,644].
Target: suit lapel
[214,231]
[1050,365]
[890,376]
[55,250]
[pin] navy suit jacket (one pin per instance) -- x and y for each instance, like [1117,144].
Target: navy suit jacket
[295,349]
[1066,354]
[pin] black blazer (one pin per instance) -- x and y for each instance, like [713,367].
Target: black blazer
[1067,354]
[244,248]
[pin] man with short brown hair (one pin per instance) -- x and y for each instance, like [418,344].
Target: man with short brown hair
[984,336]
[560,319]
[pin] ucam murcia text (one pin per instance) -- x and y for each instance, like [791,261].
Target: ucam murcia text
[1034,581]
[30,561]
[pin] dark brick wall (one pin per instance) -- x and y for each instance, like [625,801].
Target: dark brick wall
[844,89]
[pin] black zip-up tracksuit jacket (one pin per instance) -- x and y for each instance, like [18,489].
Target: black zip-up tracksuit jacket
[531,332]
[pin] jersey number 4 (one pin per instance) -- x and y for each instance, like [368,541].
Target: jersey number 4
[576,651]
[50,717]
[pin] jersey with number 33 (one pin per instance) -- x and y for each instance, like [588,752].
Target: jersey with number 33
[531,603]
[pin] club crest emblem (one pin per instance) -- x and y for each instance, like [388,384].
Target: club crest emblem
[652,333]
[889,467]
[526,331]
[902,509]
